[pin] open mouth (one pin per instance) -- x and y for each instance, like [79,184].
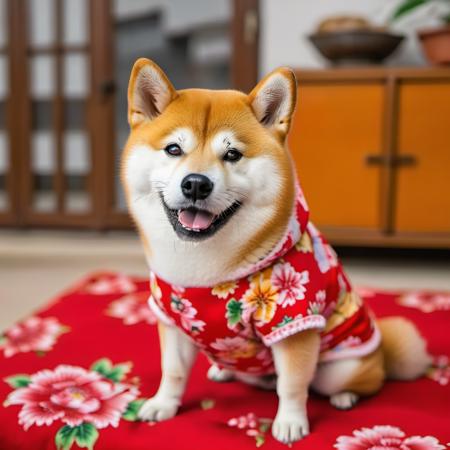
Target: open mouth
[194,223]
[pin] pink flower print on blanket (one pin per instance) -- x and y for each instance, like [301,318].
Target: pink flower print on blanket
[82,400]
[72,395]
[440,370]
[426,302]
[35,334]
[253,426]
[386,437]
[132,309]
[111,284]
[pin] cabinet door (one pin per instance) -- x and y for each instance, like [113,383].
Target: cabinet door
[423,188]
[334,129]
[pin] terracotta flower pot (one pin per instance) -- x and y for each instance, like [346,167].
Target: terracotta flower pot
[436,44]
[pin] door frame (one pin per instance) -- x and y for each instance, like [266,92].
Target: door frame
[99,112]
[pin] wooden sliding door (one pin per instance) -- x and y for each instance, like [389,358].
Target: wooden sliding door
[6,200]
[64,67]
[58,160]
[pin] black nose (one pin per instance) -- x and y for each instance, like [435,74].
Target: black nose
[196,187]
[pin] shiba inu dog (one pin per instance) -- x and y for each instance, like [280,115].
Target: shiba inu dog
[237,269]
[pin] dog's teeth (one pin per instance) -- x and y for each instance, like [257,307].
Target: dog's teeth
[191,229]
[196,230]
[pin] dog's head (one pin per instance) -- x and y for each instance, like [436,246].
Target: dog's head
[208,159]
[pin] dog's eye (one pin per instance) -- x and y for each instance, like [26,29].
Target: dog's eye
[173,150]
[232,155]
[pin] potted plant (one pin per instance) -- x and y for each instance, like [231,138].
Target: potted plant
[435,41]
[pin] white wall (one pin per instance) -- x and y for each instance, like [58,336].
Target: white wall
[285,25]
[180,16]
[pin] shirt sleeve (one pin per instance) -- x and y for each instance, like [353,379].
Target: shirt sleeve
[288,326]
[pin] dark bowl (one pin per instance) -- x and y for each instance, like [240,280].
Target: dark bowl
[355,46]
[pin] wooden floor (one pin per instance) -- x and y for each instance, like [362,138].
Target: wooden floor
[35,266]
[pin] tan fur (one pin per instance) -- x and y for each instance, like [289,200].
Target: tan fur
[282,128]
[206,112]
[161,328]
[404,349]
[369,376]
[136,108]
[402,355]
[295,362]
[300,352]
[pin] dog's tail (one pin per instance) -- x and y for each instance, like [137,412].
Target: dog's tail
[404,349]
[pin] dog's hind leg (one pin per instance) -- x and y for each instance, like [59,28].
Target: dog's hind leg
[346,380]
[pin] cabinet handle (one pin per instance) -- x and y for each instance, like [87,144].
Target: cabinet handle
[395,161]
[405,160]
[376,160]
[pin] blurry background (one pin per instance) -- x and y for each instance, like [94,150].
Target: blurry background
[370,138]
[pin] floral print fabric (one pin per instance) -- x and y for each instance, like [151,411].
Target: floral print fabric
[386,437]
[304,288]
[82,401]
[34,334]
[101,361]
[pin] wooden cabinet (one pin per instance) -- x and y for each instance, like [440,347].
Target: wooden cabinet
[372,150]
[335,127]
[423,186]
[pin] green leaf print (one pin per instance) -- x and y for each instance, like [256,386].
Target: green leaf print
[286,319]
[65,437]
[18,381]
[207,403]
[86,436]
[115,373]
[176,303]
[260,439]
[234,312]
[132,410]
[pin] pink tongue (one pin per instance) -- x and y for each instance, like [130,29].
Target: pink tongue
[195,219]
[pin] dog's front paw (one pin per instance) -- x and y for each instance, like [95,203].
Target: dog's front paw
[158,409]
[220,375]
[289,427]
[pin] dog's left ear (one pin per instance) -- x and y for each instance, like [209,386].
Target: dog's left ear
[273,100]
[149,92]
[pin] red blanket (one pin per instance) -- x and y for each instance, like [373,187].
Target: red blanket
[76,373]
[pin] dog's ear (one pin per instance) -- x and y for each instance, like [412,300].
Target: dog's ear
[273,100]
[149,92]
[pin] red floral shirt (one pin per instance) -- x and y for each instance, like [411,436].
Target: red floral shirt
[300,285]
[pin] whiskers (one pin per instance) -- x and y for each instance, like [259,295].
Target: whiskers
[159,186]
[225,200]
[157,189]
